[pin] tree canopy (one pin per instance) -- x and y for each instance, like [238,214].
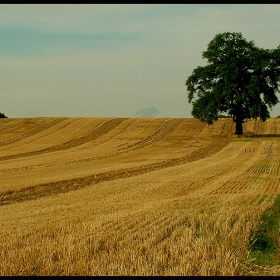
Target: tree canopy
[239,79]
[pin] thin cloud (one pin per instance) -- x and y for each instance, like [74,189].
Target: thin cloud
[114,59]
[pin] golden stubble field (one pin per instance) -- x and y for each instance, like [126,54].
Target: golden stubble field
[133,196]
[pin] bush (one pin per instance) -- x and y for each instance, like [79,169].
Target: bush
[2,115]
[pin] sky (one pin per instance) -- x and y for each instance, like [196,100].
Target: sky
[115,60]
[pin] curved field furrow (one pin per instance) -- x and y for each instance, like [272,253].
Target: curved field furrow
[239,186]
[57,134]
[138,126]
[223,127]
[224,185]
[45,138]
[102,129]
[64,132]
[269,165]
[265,169]
[194,128]
[209,175]
[102,145]
[165,130]
[256,178]
[174,161]
[150,128]
[76,183]
[128,131]
[45,125]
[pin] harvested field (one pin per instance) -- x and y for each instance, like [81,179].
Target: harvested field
[134,196]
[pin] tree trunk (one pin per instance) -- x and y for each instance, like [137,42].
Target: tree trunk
[239,127]
[239,120]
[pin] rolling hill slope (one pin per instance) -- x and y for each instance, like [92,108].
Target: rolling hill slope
[133,196]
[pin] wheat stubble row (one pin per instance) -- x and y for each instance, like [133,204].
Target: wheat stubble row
[188,213]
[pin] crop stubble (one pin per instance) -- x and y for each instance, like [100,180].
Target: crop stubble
[132,196]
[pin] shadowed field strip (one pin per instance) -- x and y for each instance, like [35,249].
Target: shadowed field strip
[41,190]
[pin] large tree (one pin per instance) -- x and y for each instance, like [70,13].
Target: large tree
[239,79]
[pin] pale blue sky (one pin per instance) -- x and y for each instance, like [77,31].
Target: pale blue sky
[104,60]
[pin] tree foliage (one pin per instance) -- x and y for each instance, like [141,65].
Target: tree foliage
[239,79]
[2,115]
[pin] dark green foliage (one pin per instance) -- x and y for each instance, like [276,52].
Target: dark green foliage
[220,116]
[2,115]
[239,79]
[264,242]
